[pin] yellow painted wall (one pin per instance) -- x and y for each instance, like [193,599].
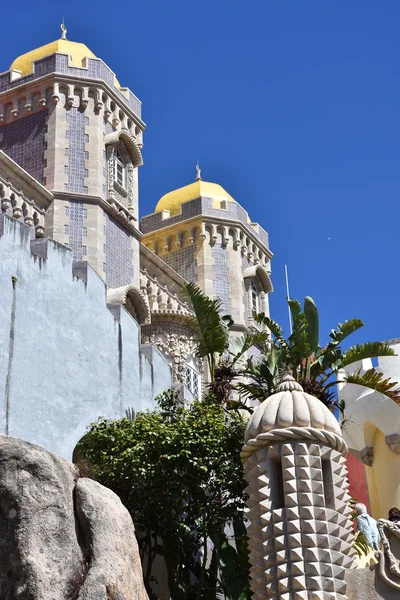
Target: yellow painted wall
[383,478]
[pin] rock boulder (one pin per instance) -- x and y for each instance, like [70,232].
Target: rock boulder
[62,537]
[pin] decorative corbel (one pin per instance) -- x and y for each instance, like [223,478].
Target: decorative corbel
[367,455]
[85,98]
[56,93]
[393,442]
[14,113]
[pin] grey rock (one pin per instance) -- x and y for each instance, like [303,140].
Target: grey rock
[115,567]
[61,537]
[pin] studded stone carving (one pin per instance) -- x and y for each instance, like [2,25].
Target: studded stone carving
[300,534]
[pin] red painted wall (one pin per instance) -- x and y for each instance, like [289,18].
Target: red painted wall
[358,481]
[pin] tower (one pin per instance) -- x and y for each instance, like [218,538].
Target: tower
[300,535]
[208,238]
[67,121]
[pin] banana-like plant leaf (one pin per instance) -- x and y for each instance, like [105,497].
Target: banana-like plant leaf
[241,344]
[311,314]
[345,329]
[367,350]
[375,381]
[212,331]
[295,308]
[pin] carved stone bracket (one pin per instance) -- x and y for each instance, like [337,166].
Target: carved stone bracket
[367,455]
[393,442]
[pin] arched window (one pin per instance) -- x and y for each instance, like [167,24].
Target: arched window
[193,380]
[254,297]
[119,169]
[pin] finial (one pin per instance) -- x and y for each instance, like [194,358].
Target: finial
[63,30]
[198,172]
[289,384]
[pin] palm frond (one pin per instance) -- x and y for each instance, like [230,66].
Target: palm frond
[312,317]
[241,344]
[375,381]
[367,350]
[343,330]
[212,332]
[273,326]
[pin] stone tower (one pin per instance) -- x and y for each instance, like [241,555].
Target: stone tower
[67,121]
[300,535]
[208,238]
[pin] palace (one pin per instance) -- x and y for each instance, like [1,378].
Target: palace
[93,319]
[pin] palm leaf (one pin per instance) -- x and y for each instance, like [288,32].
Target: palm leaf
[212,332]
[273,326]
[241,344]
[311,314]
[374,380]
[367,350]
[295,309]
[345,329]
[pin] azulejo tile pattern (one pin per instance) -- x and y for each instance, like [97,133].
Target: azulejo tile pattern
[221,283]
[77,215]
[202,206]
[23,141]
[118,254]
[58,63]
[183,262]
[76,151]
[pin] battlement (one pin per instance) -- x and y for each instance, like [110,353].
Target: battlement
[66,356]
[94,69]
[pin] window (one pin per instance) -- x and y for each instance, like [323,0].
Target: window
[67,211]
[254,297]
[66,229]
[192,381]
[119,169]
[84,231]
[84,213]
[84,250]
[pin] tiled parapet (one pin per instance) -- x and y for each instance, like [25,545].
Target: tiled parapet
[58,64]
[204,207]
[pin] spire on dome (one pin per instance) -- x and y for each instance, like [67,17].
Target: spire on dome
[198,172]
[63,30]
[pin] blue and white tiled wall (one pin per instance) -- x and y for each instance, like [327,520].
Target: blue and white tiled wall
[183,261]
[220,267]
[118,265]
[24,142]
[77,138]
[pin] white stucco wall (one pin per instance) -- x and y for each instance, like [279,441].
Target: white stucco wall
[65,359]
[364,406]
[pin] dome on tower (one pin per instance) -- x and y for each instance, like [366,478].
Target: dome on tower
[199,188]
[76,51]
[290,407]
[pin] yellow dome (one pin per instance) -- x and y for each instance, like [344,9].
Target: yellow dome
[76,51]
[173,200]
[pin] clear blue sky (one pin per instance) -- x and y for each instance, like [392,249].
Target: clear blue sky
[293,106]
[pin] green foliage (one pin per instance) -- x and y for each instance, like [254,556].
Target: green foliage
[317,368]
[233,562]
[212,330]
[178,471]
[374,379]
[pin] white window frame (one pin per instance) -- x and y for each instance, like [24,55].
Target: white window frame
[119,169]
[193,381]
[254,298]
